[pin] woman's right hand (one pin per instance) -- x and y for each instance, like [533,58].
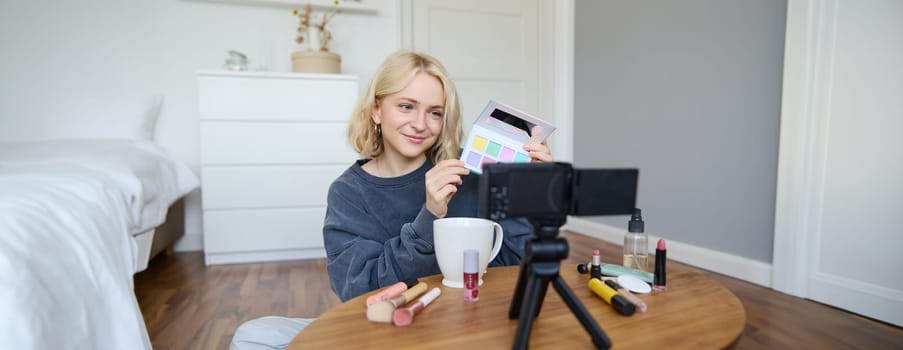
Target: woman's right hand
[442,183]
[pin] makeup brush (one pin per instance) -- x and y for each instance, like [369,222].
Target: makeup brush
[391,291]
[381,311]
[405,316]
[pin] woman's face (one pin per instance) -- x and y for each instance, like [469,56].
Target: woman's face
[411,119]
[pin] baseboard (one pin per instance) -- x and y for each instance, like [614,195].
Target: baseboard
[746,269]
[190,243]
[867,299]
[263,256]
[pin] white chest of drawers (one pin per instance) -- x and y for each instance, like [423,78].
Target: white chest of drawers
[271,143]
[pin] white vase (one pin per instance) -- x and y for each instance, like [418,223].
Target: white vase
[313,38]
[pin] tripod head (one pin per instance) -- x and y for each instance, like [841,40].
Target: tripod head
[546,229]
[545,194]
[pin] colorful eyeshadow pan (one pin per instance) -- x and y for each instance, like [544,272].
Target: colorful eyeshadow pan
[473,159]
[507,155]
[479,143]
[521,158]
[493,149]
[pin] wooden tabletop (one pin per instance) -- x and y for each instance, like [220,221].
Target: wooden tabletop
[694,312]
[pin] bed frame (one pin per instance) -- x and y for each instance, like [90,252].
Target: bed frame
[170,230]
[163,237]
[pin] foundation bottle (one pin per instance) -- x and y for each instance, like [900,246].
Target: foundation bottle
[636,250]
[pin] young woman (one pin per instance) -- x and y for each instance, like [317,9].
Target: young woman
[379,217]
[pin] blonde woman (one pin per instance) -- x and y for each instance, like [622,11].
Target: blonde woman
[379,217]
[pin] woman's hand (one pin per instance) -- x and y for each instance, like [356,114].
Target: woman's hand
[539,152]
[442,183]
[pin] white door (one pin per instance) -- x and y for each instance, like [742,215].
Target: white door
[838,224]
[490,47]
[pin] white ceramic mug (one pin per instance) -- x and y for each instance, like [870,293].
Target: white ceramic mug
[451,236]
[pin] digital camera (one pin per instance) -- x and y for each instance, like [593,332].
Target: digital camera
[552,191]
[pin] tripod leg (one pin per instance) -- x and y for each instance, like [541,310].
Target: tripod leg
[518,298]
[536,285]
[599,338]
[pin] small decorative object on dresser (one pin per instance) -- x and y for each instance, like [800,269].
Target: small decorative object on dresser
[237,61]
[316,58]
[316,62]
[271,143]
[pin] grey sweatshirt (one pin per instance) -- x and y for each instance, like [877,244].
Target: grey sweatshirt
[377,231]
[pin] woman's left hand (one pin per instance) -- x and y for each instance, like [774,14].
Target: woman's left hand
[539,152]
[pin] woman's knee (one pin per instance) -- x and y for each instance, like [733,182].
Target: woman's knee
[267,333]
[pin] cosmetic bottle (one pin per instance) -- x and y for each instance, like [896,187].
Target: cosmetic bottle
[471,275]
[636,250]
[595,269]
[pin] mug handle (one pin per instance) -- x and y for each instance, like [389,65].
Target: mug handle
[499,237]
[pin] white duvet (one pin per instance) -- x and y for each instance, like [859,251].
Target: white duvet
[67,255]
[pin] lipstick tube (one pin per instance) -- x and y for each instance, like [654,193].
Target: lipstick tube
[595,270]
[658,277]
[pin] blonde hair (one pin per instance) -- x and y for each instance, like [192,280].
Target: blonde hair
[392,76]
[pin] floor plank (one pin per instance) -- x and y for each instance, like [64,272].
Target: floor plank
[189,306]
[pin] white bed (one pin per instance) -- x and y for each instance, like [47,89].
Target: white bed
[74,223]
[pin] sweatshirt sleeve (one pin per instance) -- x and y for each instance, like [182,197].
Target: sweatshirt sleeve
[358,261]
[517,232]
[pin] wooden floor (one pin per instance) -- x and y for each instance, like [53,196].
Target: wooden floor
[189,306]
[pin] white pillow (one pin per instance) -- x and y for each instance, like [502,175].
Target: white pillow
[87,116]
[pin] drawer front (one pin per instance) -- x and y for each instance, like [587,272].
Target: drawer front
[257,98]
[230,231]
[237,187]
[275,143]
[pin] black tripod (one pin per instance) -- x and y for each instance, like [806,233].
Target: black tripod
[541,265]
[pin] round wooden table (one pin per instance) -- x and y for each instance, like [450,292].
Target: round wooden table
[694,312]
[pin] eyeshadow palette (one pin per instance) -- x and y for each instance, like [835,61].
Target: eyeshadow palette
[499,135]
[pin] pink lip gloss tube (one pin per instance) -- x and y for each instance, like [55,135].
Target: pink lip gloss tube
[471,275]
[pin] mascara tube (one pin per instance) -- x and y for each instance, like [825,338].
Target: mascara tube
[612,297]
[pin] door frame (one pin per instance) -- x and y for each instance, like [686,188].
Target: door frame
[811,48]
[808,59]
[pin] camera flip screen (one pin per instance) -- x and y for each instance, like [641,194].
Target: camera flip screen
[539,193]
[555,190]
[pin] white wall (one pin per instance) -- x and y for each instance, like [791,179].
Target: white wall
[53,50]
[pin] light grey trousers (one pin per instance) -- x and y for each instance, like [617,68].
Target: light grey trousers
[268,333]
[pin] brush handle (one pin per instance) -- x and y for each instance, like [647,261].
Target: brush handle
[413,292]
[428,298]
[387,293]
